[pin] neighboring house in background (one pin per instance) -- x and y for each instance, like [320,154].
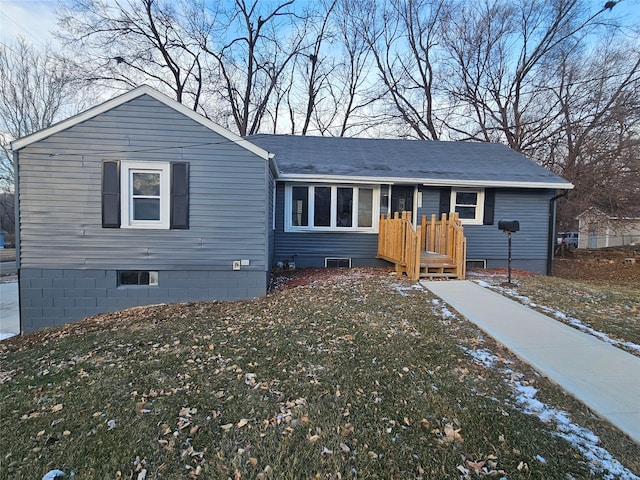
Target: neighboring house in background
[140,201]
[599,229]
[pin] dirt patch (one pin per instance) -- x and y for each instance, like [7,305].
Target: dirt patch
[609,264]
[283,279]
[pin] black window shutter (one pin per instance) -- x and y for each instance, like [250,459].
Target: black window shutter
[489,205]
[111,194]
[180,195]
[445,200]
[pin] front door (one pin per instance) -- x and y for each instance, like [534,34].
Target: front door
[401,199]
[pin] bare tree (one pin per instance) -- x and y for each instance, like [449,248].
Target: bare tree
[502,59]
[352,99]
[251,46]
[403,36]
[597,138]
[8,215]
[554,80]
[36,90]
[124,43]
[327,89]
[317,73]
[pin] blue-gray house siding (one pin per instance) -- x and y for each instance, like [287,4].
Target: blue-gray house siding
[310,249]
[69,263]
[484,242]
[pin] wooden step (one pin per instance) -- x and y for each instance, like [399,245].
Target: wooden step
[438,265]
[438,275]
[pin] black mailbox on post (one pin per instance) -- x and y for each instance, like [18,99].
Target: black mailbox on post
[509,225]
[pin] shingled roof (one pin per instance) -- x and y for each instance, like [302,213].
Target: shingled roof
[308,158]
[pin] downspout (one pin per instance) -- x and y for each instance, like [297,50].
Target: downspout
[552,228]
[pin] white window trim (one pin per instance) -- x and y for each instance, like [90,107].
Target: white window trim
[126,197]
[288,227]
[478,220]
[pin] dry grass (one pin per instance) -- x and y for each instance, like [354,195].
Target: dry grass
[359,375]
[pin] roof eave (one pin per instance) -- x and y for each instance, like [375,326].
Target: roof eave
[430,182]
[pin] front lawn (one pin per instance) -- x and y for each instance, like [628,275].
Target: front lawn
[356,375]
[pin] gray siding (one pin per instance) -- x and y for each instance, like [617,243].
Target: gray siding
[60,202]
[53,297]
[529,245]
[309,249]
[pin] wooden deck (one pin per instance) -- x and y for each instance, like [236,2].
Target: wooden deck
[434,249]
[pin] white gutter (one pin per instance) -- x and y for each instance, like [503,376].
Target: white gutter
[428,182]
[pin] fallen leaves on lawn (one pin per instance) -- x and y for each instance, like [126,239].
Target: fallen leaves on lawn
[228,387]
[479,466]
[450,434]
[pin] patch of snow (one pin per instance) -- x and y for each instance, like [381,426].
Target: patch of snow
[482,356]
[440,308]
[583,439]
[402,289]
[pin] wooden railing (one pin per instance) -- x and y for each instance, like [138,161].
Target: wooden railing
[400,244]
[446,237]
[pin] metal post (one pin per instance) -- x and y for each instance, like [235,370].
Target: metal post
[508,283]
[509,260]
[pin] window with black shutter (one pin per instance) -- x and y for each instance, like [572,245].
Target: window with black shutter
[153,195]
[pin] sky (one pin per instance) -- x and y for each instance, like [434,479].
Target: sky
[31,19]
[35,19]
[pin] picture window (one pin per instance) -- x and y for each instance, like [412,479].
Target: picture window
[338,208]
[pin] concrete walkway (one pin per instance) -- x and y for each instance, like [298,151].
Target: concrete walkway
[9,313]
[601,376]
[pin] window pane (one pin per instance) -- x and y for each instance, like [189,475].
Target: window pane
[466,198]
[322,207]
[345,207]
[146,209]
[299,206]
[466,212]
[129,278]
[146,184]
[365,207]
